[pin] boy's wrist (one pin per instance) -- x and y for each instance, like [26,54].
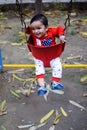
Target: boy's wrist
[61,35]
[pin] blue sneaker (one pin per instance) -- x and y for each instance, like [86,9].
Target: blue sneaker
[42,90]
[56,86]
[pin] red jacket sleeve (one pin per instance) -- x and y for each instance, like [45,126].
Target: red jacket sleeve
[58,31]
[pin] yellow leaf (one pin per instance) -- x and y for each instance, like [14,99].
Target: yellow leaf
[16,44]
[3,106]
[47,116]
[84,21]
[63,112]
[84,34]
[21,34]
[24,80]
[14,93]
[4,42]
[56,119]
[84,79]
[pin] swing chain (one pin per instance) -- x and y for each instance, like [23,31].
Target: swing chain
[20,10]
[67,21]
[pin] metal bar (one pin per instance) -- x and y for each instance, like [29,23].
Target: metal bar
[32,65]
[74,65]
[18,65]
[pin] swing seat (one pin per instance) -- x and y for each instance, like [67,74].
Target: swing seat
[46,53]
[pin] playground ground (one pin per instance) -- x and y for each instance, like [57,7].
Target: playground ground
[30,109]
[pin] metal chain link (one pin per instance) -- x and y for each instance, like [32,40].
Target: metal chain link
[67,21]
[20,10]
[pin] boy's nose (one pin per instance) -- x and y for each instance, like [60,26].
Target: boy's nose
[36,31]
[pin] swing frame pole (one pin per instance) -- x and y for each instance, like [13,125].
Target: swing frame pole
[33,65]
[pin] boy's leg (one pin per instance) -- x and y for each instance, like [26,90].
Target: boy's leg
[40,73]
[56,73]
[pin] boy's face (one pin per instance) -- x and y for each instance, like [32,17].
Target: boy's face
[39,29]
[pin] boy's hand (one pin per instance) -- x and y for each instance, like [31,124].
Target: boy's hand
[62,38]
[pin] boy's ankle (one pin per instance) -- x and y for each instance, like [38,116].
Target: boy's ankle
[54,83]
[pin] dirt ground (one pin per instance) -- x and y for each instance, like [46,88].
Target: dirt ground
[30,109]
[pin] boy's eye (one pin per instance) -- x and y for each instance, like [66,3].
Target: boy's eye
[36,28]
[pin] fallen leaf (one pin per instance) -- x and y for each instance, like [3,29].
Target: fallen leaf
[84,79]
[4,26]
[84,34]
[3,106]
[63,112]
[21,34]
[56,119]
[47,116]
[16,71]
[74,57]
[52,127]
[3,113]
[25,126]
[16,44]
[37,126]
[84,21]
[22,79]
[26,92]
[14,93]
[77,104]
[4,42]
[85,94]
[3,128]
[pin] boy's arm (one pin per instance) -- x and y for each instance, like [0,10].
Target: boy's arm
[61,33]
[58,31]
[62,38]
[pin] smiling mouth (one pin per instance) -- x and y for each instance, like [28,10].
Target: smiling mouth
[38,34]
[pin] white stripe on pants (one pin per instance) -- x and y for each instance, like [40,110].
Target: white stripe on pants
[55,66]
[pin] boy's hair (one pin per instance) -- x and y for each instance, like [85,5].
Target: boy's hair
[40,17]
